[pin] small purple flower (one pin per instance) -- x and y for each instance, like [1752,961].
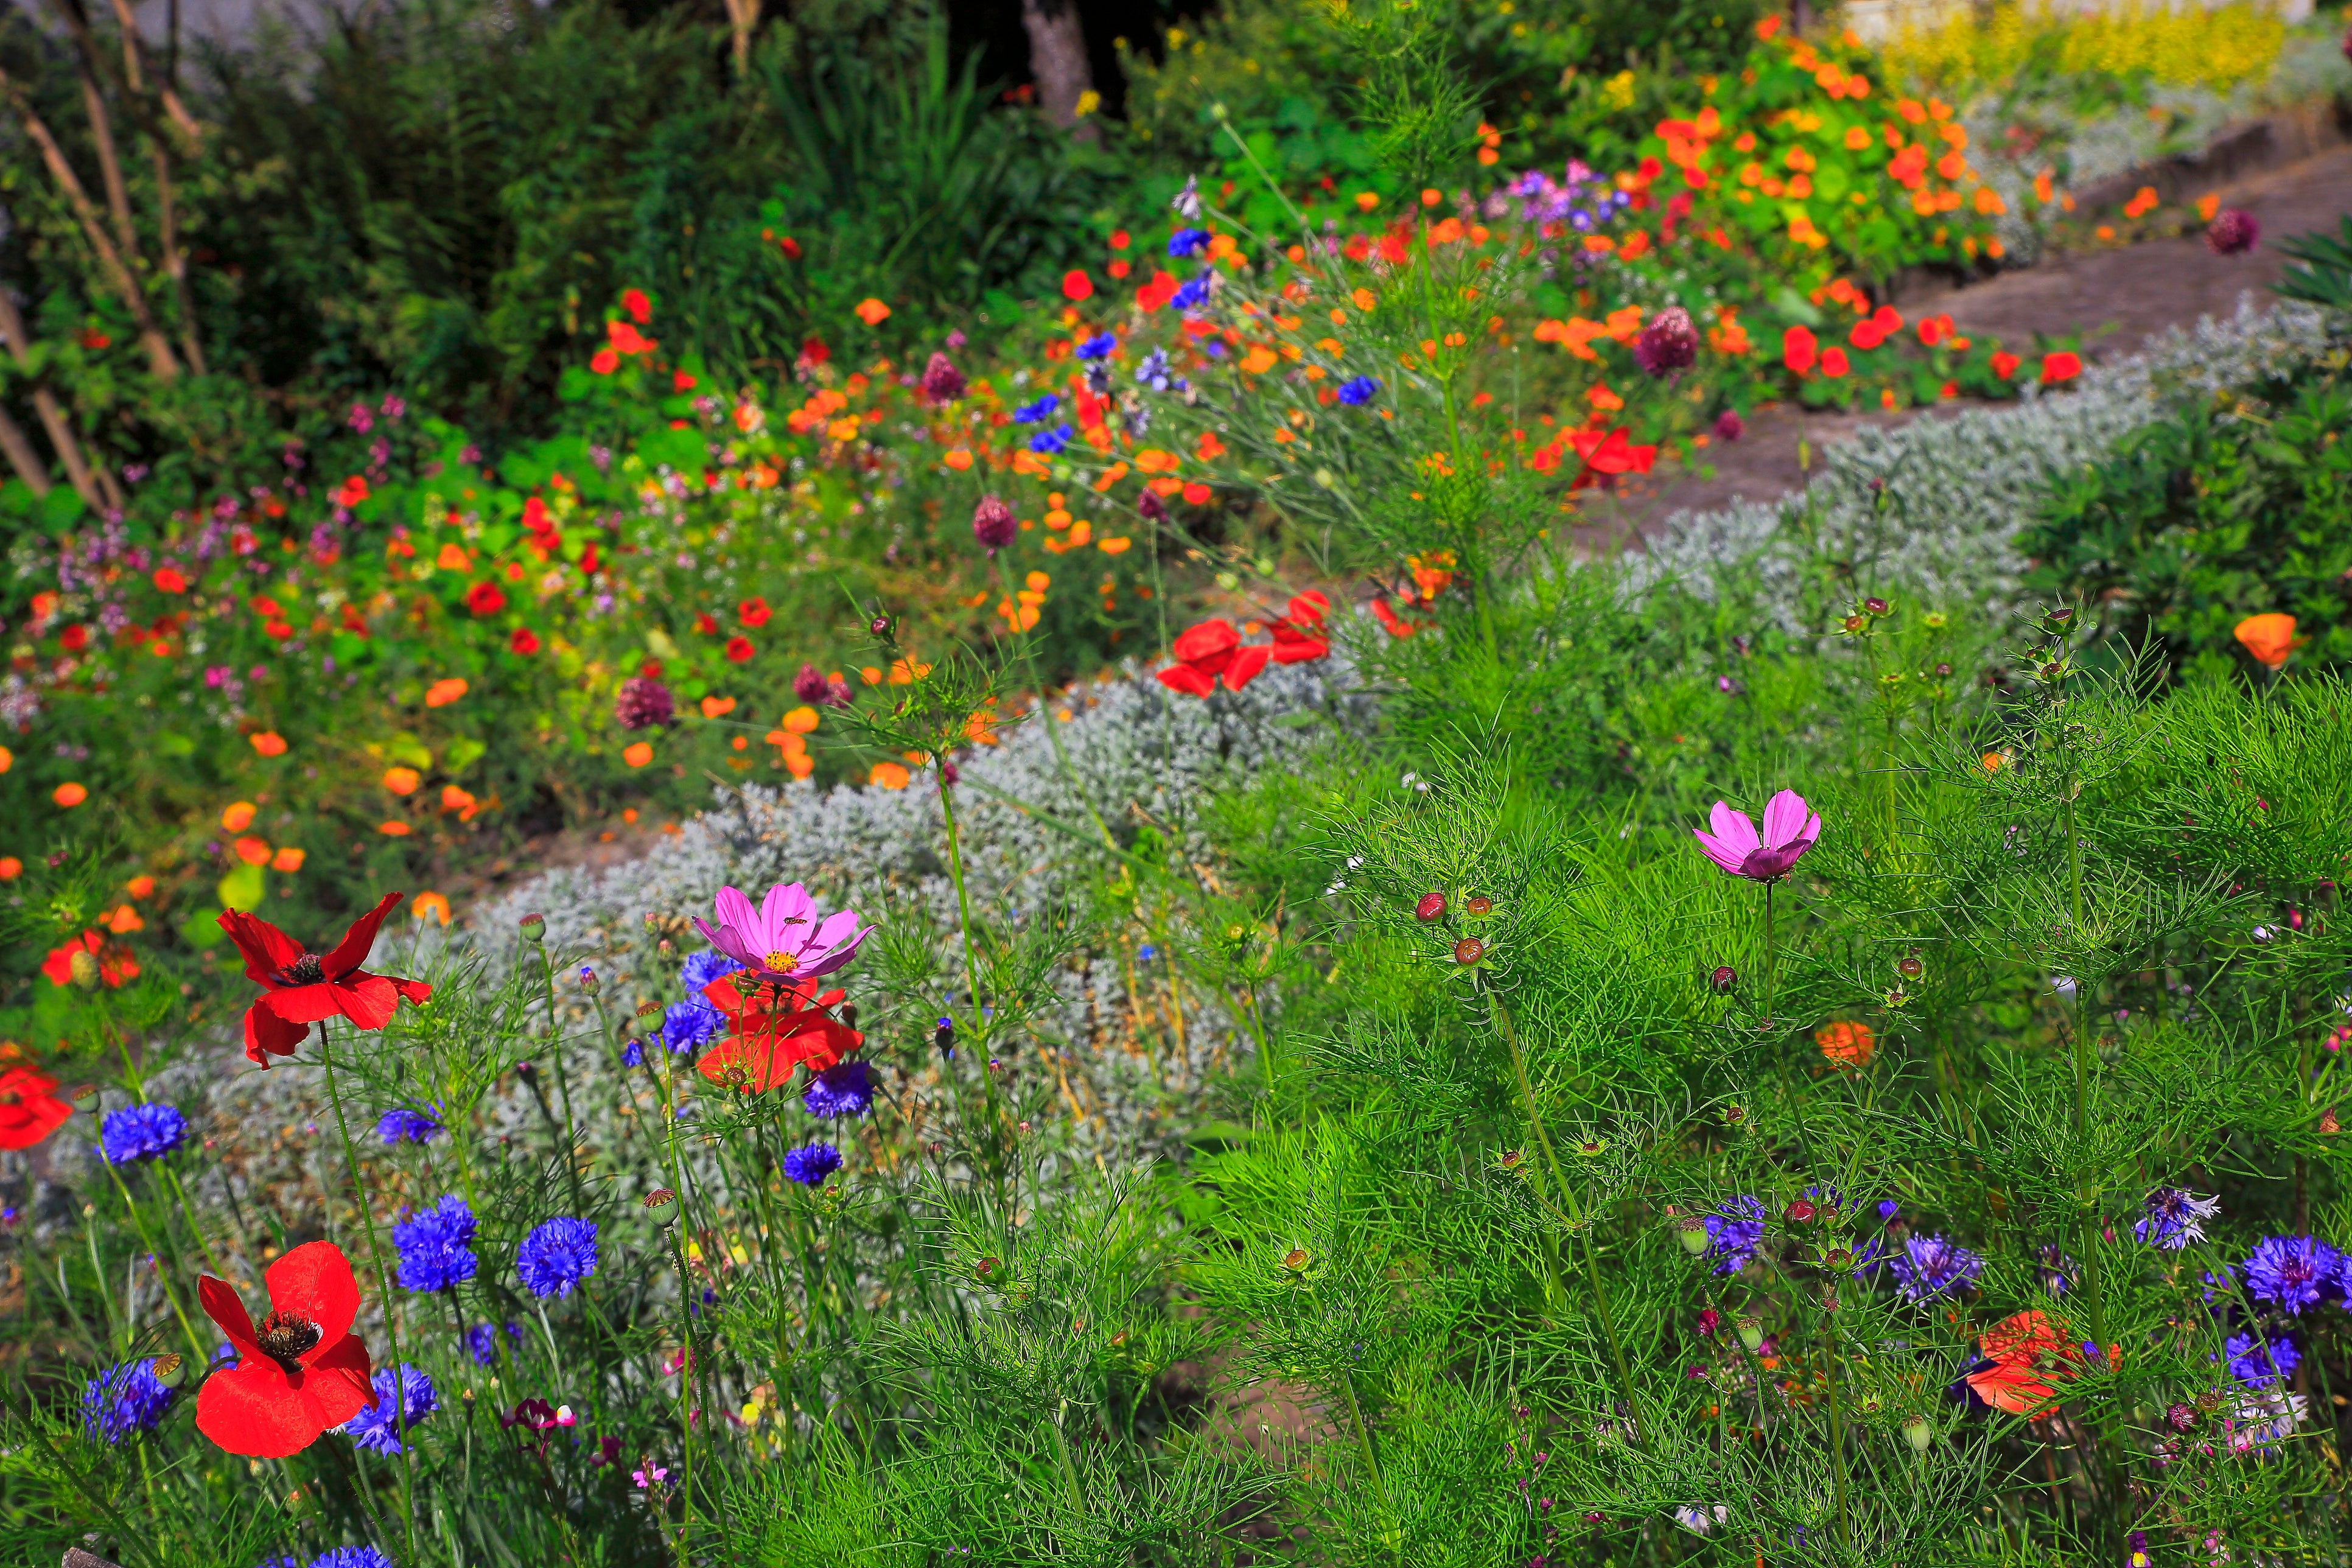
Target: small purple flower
[1357,393]
[992,524]
[1730,425]
[557,1256]
[1734,1231]
[1790,829]
[1669,344]
[2294,1271]
[1049,443]
[400,1402]
[2261,1362]
[436,1246]
[139,1134]
[405,1126]
[845,1089]
[124,1399]
[1102,345]
[943,383]
[811,1165]
[1037,413]
[785,938]
[2232,232]
[1932,1265]
[643,703]
[2174,1218]
[482,1342]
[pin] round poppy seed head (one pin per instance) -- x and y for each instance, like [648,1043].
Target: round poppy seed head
[82,1097]
[1692,1234]
[83,967]
[171,1371]
[1751,1333]
[534,927]
[2232,232]
[1724,978]
[1669,344]
[1918,1433]
[1432,907]
[643,703]
[1469,950]
[992,524]
[660,1204]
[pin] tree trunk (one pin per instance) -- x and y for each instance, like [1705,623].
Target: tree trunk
[1057,58]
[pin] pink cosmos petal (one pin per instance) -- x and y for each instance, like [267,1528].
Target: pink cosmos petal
[725,939]
[1784,818]
[1733,840]
[786,910]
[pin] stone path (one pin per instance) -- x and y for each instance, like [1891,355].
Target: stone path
[2134,289]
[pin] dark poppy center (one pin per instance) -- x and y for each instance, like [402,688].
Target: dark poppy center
[285,1338]
[307,970]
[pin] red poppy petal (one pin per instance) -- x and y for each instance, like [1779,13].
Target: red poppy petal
[1198,644]
[226,1308]
[1185,678]
[358,942]
[411,989]
[334,1381]
[1246,663]
[268,1035]
[252,1410]
[315,1281]
[34,1119]
[367,1000]
[1300,651]
[301,1004]
[267,949]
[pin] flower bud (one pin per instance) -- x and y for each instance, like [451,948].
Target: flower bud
[534,927]
[1724,978]
[171,1371]
[1751,1333]
[881,627]
[1692,1234]
[1876,606]
[1909,967]
[1469,950]
[992,524]
[1479,907]
[660,1205]
[1296,1259]
[1918,1433]
[1432,907]
[83,967]
[588,980]
[1801,1212]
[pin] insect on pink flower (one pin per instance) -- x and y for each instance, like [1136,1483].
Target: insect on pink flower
[785,938]
[1790,829]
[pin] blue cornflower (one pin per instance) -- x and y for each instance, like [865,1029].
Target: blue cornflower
[812,1165]
[1146,952]
[1357,393]
[688,1024]
[1100,346]
[1931,1265]
[124,1399]
[407,1126]
[557,1256]
[378,1427]
[701,968]
[2258,1363]
[634,1054]
[1153,372]
[1051,442]
[1191,294]
[1734,1231]
[141,1133]
[1188,242]
[482,1342]
[845,1089]
[1037,413]
[352,1557]
[2293,1270]
[283,1560]
[2174,1218]
[435,1246]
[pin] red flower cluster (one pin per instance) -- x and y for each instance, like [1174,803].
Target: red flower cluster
[776,1030]
[1214,650]
[30,1112]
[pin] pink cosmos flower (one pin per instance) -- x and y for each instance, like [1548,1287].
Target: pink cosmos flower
[1790,829]
[785,938]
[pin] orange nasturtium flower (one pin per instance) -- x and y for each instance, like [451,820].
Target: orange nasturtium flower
[639,755]
[268,742]
[238,816]
[2270,639]
[873,312]
[401,781]
[1845,1045]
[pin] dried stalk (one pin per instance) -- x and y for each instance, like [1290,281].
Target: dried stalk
[78,473]
[138,68]
[18,448]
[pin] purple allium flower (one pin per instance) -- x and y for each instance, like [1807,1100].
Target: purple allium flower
[1669,344]
[2294,1271]
[992,524]
[124,1399]
[845,1089]
[811,1165]
[1357,393]
[138,1133]
[943,383]
[2174,1218]
[643,703]
[811,686]
[400,1402]
[2261,1362]
[2232,232]
[557,1256]
[1790,829]
[405,1126]
[1931,1265]
[1733,1232]
[785,938]
[436,1246]
[1730,425]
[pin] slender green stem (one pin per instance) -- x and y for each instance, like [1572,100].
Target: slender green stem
[562,1082]
[1371,1460]
[382,1280]
[1837,1412]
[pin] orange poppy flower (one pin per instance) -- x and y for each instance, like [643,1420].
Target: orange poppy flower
[2270,639]
[873,312]
[1846,1045]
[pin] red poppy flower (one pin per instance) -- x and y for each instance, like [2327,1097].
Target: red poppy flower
[1799,348]
[1608,456]
[2004,365]
[486,598]
[640,309]
[755,612]
[813,353]
[301,1372]
[1299,635]
[1396,626]
[29,1111]
[74,638]
[115,964]
[303,988]
[169,581]
[524,641]
[775,1031]
[1156,293]
[604,362]
[2060,367]
[1208,651]
[2025,1352]
[739,651]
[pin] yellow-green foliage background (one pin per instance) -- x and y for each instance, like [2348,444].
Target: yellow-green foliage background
[2180,44]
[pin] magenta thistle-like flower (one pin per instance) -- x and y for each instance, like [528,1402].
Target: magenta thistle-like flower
[992,524]
[943,383]
[785,938]
[1669,344]
[1790,829]
[2232,232]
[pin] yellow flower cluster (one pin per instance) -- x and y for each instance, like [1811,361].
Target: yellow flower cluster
[2177,44]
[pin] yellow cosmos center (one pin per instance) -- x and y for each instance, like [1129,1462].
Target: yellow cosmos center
[780,963]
